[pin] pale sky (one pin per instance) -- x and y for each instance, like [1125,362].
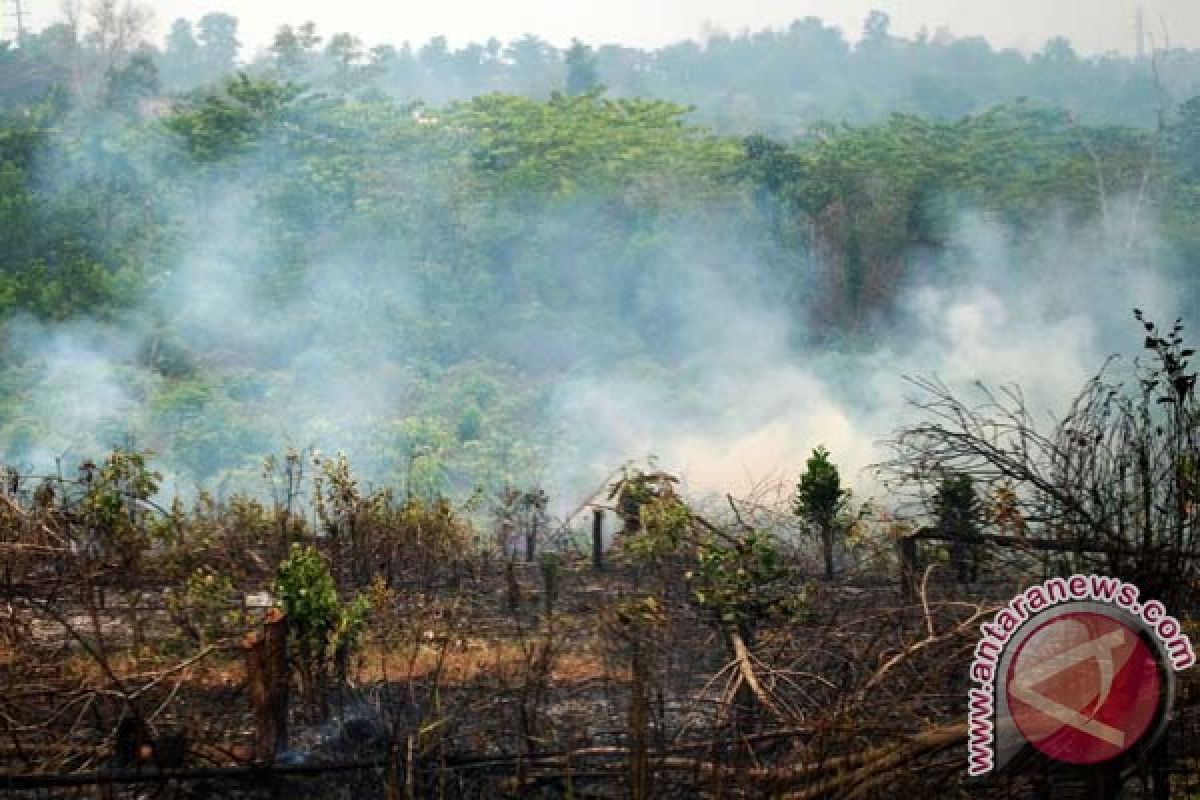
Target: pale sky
[1093,25]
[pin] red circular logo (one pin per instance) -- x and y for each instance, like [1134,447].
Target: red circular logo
[1083,688]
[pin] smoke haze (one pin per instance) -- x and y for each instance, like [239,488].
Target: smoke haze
[1096,26]
[740,407]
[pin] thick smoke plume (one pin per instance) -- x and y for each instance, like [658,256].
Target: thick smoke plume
[1044,317]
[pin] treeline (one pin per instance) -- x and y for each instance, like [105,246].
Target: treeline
[777,81]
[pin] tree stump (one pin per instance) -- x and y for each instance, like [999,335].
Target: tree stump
[267,681]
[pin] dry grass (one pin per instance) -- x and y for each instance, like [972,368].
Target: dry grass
[467,660]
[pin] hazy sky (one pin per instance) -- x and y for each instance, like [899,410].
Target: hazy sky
[1093,25]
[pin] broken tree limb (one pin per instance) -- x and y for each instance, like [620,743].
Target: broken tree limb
[746,670]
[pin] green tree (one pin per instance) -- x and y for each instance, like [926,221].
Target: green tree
[229,121]
[959,511]
[533,60]
[347,58]
[820,501]
[582,75]
[128,86]
[324,629]
[219,45]
[181,59]
[294,50]
[28,74]
[1185,142]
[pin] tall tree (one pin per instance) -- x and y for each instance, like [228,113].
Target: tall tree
[532,59]
[876,28]
[346,56]
[582,75]
[117,31]
[293,50]
[220,45]
[181,59]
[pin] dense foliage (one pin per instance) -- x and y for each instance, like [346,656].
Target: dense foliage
[221,264]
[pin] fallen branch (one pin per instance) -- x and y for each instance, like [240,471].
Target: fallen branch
[746,669]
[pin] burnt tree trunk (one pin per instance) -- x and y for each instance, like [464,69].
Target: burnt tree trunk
[639,723]
[504,539]
[827,549]
[267,685]
[598,540]
[531,541]
[907,550]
